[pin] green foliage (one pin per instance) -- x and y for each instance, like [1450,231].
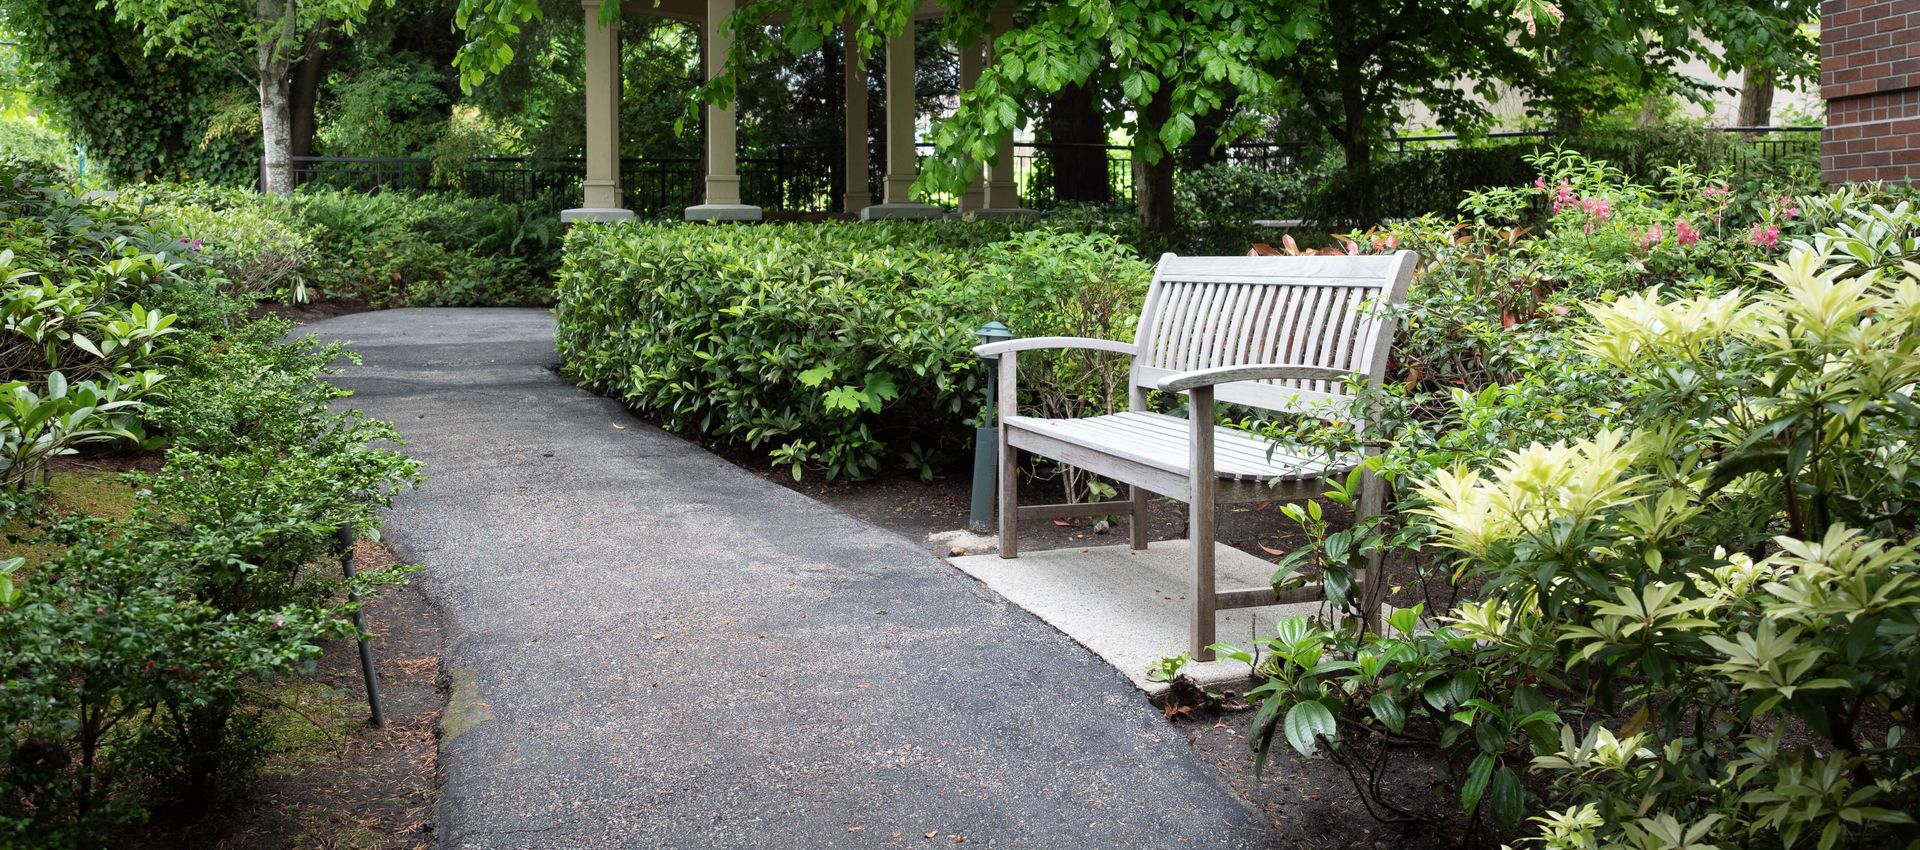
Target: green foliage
[137,115]
[260,255]
[397,107]
[834,346]
[390,249]
[31,140]
[138,655]
[1674,478]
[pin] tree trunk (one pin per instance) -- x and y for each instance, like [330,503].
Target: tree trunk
[1073,118]
[1756,98]
[1153,182]
[305,96]
[1205,149]
[274,72]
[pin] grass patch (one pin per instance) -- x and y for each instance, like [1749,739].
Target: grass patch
[94,493]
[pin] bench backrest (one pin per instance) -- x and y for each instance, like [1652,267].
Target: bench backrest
[1203,312]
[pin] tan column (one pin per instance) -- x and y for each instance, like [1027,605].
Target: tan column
[1001,191]
[723,154]
[903,163]
[858,193]
[971,58]
[723,173]
[603,110]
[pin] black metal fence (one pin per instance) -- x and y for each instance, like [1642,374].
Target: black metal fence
[809,178]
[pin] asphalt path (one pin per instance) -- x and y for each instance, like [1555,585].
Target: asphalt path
[649,647]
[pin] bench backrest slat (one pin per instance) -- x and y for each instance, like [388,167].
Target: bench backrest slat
[1204,312]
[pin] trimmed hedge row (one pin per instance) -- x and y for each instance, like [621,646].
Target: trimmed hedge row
[834,346]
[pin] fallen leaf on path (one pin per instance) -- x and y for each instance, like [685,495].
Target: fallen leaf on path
[1272,551]
[619,427]
[1063,523]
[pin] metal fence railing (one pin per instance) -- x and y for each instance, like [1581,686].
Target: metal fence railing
[809,179]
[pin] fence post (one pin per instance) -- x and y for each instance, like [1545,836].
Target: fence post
[986,437]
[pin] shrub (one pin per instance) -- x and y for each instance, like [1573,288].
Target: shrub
[136,658]
[260,255]
[1673,479]
[835,346]
[390,249]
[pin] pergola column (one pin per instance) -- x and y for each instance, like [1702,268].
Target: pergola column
[723,175]
[972,56]
[601,201]
[857,194]
[1003,195]
[903,161]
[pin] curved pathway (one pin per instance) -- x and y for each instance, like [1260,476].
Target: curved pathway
[649,647]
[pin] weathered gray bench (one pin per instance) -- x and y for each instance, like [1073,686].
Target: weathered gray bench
[1278,333]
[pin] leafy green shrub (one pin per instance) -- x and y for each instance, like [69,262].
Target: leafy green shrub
[1672,472]
[837,346]
[390,249]
[135,660]
[260,255]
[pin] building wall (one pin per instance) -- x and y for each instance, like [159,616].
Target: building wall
[1870,78]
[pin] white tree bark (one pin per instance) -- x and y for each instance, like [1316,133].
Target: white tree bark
[274,67]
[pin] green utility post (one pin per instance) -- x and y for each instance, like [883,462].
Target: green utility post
[986,438]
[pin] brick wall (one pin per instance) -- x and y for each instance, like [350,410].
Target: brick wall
[1870,78]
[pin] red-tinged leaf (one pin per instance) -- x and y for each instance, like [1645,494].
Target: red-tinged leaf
[1272,551]
[1063,523]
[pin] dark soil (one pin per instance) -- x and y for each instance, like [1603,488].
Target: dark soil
[309,313]
[1312,803]
[339,782]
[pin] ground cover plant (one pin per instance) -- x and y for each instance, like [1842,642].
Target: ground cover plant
[1655,455]
[143,646]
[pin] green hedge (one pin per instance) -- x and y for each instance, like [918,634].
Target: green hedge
[835,346]
[391,249]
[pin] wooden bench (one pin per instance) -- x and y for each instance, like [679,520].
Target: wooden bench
[1283,334]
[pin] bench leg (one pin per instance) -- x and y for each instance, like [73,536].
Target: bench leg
[1009,499]
[1204,590]
[1137,523]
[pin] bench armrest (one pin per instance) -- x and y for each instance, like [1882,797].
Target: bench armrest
[1183,381]
[1030,343]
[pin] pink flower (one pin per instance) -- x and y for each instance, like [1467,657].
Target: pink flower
[1788,210]
[1563,197]
[1766,237]
[1597,210]
[1718,197]
[1652,237]
[1684,234]
[1540,182]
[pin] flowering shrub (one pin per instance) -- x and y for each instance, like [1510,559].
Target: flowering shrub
[1682,494]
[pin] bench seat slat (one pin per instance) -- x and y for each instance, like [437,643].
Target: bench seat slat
[1161,441]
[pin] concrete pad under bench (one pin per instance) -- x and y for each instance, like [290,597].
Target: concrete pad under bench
[1130,607]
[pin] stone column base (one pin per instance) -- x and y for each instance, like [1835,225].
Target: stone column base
[878,212]
[723,212]
[596,214]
